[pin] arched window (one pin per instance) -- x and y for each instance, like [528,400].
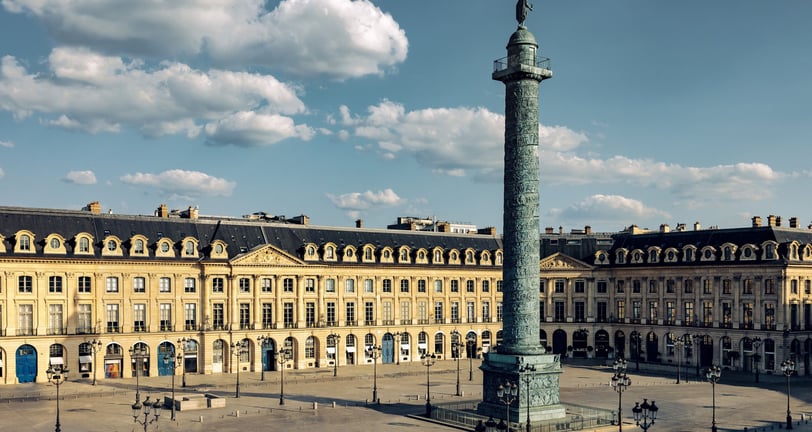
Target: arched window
[310,347]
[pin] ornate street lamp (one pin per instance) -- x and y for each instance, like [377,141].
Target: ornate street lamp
[456,344]
[756,356]
[182,355]
[471,345]
[263,339]
[282,356]
[645,414]
[712,374]
[95,346]
[374,351]
[335,338]
[397,336]
[507,394]
[138,355]
[620,382]
[527,378]
[237,350]
[678,344]
[428,361]
[148,406]
[57,375]
[788,368]
[174,363]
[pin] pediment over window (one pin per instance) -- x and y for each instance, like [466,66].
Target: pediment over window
[560,261]
[266,255]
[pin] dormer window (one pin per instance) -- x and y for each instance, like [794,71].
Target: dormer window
[329,253]
[164,247]
[311,251]
[728,253]
[111,245]
[769,252]
[190,248]
[55,243]
[84,245]
[138,248]
[25,242]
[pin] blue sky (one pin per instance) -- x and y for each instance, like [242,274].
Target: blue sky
[658,112]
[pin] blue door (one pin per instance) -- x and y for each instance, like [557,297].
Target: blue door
[268,358]
[166,368]
[26,364]
[388,349]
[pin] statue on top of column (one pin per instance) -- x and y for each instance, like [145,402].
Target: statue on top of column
[522,7]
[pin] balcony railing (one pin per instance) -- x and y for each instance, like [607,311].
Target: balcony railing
[541,62]
[268,325]
[332,323]
[167,327]
[291,325]
[87,330]
[27,332]
[219,327]
[422,321]
[351,323]
[57,331]
[246,326]
[388,322]
[406,322]
[369,323]
[190,326]
[113,328]
[139,328]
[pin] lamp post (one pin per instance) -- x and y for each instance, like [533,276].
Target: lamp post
[645,414]
[471,345]
[335,337]
[148,406]
[620,381]
[263,339]
[57,375]
[527,378]
[282,356]
[95,346]
[698,348]
[712,374]
[397,336]
[456,344]
[678,344]
[237,350]
[788,368]
[507,394]
[756,355]
[138,355]
[374,351]
[428,361]
[182,356]
[177,361]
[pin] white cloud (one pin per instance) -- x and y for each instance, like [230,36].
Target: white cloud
[608,208]
[93,93]
[248,129]
[357,201]
[334,38]
[6,144]
[182,183]
[81,177]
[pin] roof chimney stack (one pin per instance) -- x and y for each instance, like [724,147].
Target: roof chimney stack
[756,221]
[793,222]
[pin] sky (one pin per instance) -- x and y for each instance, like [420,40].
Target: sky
[658,112]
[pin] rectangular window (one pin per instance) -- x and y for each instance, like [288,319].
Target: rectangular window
[438,286]
[620,288]
[310,285]
[602,287]
[793,286]
[112,318]
[670,313]
[471,311]
[165,285]
[747,315]
[331,314]
[139,317]
[190,316]
[653,312]
[218,285]
[559,311]
[455,312]
[769,286]
[387,285]
[405,312]
[707,286]
[635,286]
[669,286]
[55,319]
[245,316]
[486,286]
[369,313]
[25,284]
[727,287]
[349,308]
[404,285]
[166,316]
[25,320]
[218,316]
[769,316]
[189,285]
[349,286]
[422,312]
[84,321]
[469,286]
[112,284]
[486,311]
[707,313]
[387,313]
[84,284]
[580,311]
[244,285]
[580,286]
[438,312]
[369,286]
[139,284]
[620,309]
[287,285]
[499,311]
[267,285]
[727,315]
[652,287]
[636,310]
[747,286]
[421,286]
[541,286]
[55,284]
[688,308]
[542,316]
[455,286]
[310,314]
[603,311]
[330,285]
[688,286]
[267,315]
[499,286]
[807,286]
[558,285]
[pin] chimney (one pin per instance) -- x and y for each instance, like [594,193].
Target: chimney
[443,227]
[359,223]
[548,230]
[93,207]
[756,221]
[487,230]
[697,226]
[301,219]
[190,213]
[771,220]
[778,221]
[560,230]
[664,228]
[793,222]
[588,230]
[162,211]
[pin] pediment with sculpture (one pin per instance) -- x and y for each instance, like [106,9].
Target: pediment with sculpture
[560,261]
[267,255]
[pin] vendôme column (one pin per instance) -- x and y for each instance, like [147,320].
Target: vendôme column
[520,360]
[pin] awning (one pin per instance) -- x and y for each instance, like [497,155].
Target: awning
[404,346]
[57,361]
[190,356]
[85,359]
[331,350]
[112,361]
[351,349]
[421,346]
